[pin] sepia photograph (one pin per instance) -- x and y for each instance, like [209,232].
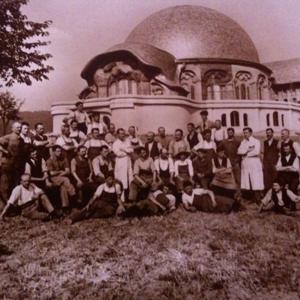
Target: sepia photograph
[149,149]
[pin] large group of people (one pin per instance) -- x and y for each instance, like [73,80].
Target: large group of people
[102,171]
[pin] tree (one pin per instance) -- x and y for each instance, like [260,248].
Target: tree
[20,57]
[9,109]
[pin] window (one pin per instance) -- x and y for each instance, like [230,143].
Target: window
[282,120]
[192,92]
[234,118]
[130,88]
[223,120]
[268,120]
[275,118]
[245,119]
[243,91]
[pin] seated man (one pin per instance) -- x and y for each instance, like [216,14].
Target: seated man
[205,200]
[202,169]
[158,202]
[28,197]
[164,167]
[183,169]
[144,176]
[223,182]
[278,198]
[81,170]
[105,203]
[102,165]
[36,167]
[288,170]
[59,171]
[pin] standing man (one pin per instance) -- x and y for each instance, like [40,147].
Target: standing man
[231,146]
[123,168]
[218,133]
[59,170]
[162,138]
[80,116]
[204,123]
[270,158]
[12,144]
[178,144]
[152,147]
[40,141]
[285,139]
[252,174]
[193,137]
[96,123]
[110,137]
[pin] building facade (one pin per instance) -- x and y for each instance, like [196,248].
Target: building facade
[180,61]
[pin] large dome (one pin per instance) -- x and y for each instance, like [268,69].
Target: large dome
[195,32]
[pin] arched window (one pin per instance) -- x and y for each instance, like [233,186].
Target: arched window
[224,120]
[268,120]
[235,118]
[245,119]
[130,88]
[243,91]
[282,120]
[275,118]
[237,92]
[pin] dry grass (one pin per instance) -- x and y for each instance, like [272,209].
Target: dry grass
[181,256]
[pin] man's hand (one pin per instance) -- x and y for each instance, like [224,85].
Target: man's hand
[79,184]
[120,210]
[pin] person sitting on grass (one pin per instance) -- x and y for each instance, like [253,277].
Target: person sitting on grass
[205,200]
[159,201]
[29,198]
[105,203]
[278,198]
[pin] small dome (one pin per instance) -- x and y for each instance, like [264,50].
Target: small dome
[195,32]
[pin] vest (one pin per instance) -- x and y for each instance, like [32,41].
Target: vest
[36,169]
[82,168]
[223,164]
[290,162]
[42,150]
[193,141]
[154,151]
[271,152]
[285,199]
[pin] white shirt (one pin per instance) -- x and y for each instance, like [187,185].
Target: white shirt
[80,117]
[119,147]
[219,135]
[187,200]
[21,195]
[244,147]
[116,188]
[77,133]
[186,162]
[64,141]
[95,143]
[164,164]
[205,145]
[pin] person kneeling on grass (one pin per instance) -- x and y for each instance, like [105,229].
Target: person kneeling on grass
[105,203]
[159,201]
[205,200]
[278,198]
[29,198]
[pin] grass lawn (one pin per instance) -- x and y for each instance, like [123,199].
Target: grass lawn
[184,255]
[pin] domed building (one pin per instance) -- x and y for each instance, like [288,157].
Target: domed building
[182,60]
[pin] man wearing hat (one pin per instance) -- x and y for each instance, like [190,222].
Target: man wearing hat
[80,116]
[204,123]
[183,169]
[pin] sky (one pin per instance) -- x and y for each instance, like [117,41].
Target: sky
[82,29]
